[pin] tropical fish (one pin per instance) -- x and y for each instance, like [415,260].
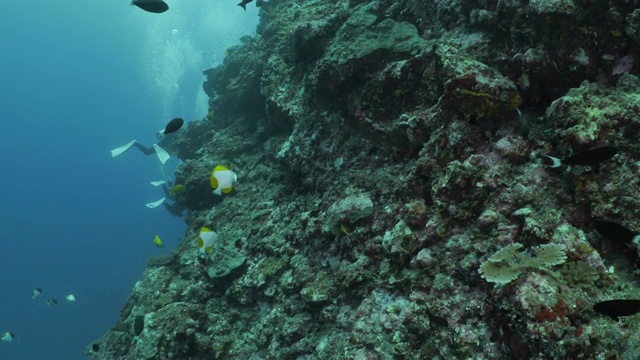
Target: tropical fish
[153,6]
[157,241]
[222,180]
[617,232]
[71,298]
[621,238]
[7,336]
[207,239]
[243,4]
[176,189]
[36,293]
[52,302]
[616,308]
[174,125]
[592,157]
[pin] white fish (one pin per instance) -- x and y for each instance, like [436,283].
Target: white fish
[36,293]
[222,179]
[7,336]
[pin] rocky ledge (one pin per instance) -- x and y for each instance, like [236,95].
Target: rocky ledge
[391,201]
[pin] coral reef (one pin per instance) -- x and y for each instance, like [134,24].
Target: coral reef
[387,151]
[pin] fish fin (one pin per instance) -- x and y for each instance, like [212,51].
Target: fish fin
[117,151]
[158,183]
[163,155]
[155,204]
[217,191]
[552,162]
[227,190]
[243,6]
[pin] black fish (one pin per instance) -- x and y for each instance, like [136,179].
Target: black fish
[154,6]
[592,157]
[624,240]
[616,308]
[243,4]
[173,126]
[616,232]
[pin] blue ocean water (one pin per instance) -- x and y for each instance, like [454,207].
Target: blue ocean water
[77,80]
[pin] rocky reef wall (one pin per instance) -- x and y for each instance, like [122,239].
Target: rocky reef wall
[386,151]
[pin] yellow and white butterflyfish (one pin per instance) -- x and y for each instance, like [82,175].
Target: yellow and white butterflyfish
[222,179]
[207,239]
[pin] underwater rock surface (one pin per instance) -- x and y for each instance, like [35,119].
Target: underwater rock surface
[386,151]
